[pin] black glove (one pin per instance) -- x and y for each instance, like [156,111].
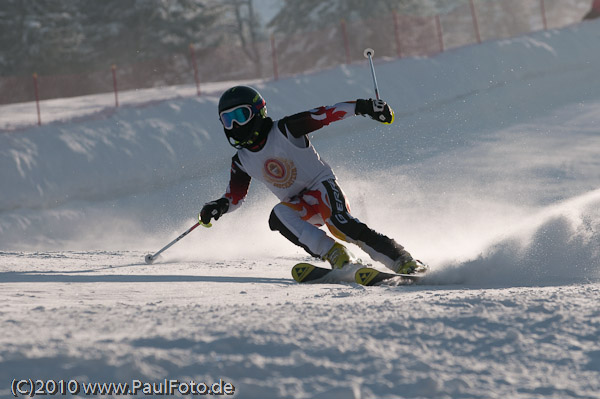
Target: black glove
[379,110]
[213,210]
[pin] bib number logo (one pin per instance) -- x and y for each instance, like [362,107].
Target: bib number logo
[280,172]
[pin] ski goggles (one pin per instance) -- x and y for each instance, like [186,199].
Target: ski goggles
[240,114]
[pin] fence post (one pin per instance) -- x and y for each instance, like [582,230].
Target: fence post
[274,56]
[37,97]
[114,76]
[346,45]
[397,34]
[543,7]
[440,32]
[475,24]
[195,66]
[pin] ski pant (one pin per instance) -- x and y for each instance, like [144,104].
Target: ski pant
[299,220]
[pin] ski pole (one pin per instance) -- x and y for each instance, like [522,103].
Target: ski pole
[368,53]
[150,258]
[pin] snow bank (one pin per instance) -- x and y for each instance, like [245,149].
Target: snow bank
[559,245]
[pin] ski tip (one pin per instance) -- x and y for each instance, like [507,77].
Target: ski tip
[365,276]
[301,271]
[307,273]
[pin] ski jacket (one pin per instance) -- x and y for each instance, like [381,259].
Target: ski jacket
[287,164]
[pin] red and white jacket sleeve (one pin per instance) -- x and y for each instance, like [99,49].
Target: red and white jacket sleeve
[239,182]
[303,123]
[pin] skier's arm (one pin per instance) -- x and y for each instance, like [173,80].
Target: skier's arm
[303,123]
[239,182]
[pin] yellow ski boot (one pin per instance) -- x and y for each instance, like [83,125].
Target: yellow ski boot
[405,264]
[338,256]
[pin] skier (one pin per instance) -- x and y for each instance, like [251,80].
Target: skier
[279,154]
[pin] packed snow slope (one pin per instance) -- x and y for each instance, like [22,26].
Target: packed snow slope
[491,174]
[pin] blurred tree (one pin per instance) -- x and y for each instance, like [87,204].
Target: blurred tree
[37,32]
[59,36]
[301,15]
[142,29]
[316,28]
[247,30]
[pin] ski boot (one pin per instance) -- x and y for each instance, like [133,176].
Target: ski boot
[338,256]
[405,264]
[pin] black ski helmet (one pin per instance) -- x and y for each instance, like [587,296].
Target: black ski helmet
[243,135]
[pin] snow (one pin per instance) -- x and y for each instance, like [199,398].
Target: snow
[490,174]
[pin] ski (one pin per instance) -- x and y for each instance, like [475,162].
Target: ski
[306,273]
[369,276]
[309,273]
[352,273]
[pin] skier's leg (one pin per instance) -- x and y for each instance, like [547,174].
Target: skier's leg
[296,221]
[335,211]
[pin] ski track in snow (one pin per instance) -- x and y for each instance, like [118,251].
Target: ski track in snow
[489,174]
